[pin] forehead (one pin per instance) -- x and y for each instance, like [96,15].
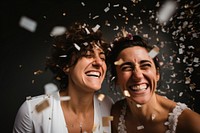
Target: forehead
[135,52]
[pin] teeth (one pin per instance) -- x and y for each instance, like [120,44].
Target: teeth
[96,74]
[140,87]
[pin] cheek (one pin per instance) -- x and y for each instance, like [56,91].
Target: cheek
[123,77]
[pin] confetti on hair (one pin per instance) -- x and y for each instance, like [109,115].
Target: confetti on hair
[96,28]
[28,24]
[77,47]
[87,31]
[106,120]
[119,62]
[42,105]
[85,43]
[154,52]
[63,56]
[101,97]
[126,93]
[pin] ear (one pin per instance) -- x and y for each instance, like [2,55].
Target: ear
[157,75]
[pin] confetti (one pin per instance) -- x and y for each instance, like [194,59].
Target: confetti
[65,98]
[101,97]
[119,62]
[96,28]
[77,47]
[50,88]
[126,93]
[154,52]
[28,23]
[41,106]
[166,11]
[58,30]
[140,127]
[106,120]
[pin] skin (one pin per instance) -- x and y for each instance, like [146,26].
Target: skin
[138,69]
[85,78]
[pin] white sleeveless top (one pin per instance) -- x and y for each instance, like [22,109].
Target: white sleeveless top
[51,119]
[171,122]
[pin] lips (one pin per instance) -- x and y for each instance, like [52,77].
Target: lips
[95,74]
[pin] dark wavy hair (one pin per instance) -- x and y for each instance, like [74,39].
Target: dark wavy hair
[122,42]
[71,46]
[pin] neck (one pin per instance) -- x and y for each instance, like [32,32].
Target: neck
[146,111]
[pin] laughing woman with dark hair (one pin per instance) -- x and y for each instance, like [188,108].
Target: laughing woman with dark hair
[78,62]
[135,69]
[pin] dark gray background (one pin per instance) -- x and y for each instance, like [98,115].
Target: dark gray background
[23,52]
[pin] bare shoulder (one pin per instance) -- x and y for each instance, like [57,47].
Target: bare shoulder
[188,122]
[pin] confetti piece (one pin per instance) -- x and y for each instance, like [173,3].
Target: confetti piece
[77,47]
[28,98]
[140,127]
[139,105]
[63,56]
[58,30]
[126,93]
[101,97]
[154,52]
[166,11]
[38,72]
[106,120]
[50,88]
[87,31]
[41,106]
[65,98]
[153,116]
[28,24]
[119,62]
[94,127]
[96,28]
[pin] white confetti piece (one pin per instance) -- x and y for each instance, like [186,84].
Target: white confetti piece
[154,52]
[153,116]
[166,11]
[138,105]
[126,93]
[63,56]
[65,98]
[140,127]
[58,30]
[50,88]
[28,24]
[77,47]
[96,28]
[106,9]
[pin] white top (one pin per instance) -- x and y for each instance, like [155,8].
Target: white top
[51,119]
[171,122]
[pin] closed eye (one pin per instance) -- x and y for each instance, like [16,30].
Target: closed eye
[127,66]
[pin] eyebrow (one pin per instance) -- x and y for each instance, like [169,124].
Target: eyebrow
[131,64]
[126,63]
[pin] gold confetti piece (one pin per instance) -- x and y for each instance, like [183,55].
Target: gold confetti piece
[119,62]
[38,72]
[126,93]
[77,47]
[106,120]
[41,106]
[140,127]
[154,52]
[101,97]
[94,127]
[65,98]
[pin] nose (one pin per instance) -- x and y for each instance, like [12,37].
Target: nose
[97,61]
[137,74]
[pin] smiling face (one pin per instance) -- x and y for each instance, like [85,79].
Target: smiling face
[137,74]
[89,71]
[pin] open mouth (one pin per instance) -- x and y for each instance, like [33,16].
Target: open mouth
[93,74]
[139,87]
